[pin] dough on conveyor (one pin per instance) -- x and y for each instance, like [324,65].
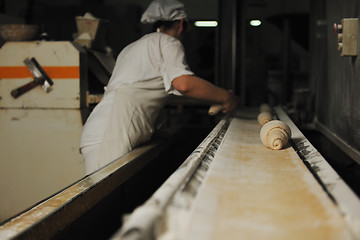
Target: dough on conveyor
[264,107]
[264,117]
[275,134]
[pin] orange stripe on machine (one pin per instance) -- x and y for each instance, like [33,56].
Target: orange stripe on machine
[51,71]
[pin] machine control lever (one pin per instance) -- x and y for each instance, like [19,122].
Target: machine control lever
[40,78]
[25,88]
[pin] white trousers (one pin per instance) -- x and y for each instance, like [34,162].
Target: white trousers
[91,158]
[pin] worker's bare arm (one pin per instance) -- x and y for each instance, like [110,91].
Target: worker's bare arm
[196,87]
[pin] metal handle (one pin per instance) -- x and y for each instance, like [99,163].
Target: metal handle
[25,88]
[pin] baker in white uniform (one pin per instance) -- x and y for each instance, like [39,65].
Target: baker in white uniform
[145,73]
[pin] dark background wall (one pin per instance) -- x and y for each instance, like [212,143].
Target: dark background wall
[335,80]
[263,45]
[57,18]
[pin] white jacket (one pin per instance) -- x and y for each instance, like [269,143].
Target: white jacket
[136,92]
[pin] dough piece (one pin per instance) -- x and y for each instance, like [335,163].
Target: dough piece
[215,109]
[265,108]
[264,117]
[275,134]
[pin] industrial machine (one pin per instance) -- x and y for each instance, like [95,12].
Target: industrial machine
[47,90]
[42,92]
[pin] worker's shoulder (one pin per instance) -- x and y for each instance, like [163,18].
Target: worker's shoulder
[163,38]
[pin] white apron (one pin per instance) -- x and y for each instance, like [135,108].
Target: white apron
[133,115]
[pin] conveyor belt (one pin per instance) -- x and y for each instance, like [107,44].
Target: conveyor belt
[246,191]
[254,192]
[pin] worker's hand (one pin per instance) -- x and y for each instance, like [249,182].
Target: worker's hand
[231,102]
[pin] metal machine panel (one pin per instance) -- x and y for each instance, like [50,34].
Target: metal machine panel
[39,155]
[39,130]
[60,61]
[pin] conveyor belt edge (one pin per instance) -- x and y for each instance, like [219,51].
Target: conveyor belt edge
[333,184]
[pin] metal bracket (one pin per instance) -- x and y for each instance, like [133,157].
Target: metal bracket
[38,72]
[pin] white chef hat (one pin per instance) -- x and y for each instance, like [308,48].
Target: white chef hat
[165,10]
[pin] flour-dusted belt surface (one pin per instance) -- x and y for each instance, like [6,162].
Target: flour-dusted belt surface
[252,192]
[243,190]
